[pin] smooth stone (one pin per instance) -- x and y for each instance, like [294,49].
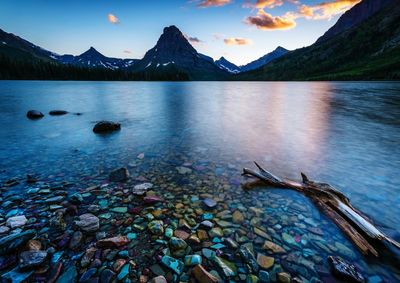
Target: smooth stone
[202,275]
[16,221]
[114,242]
[34,245]
[206,224]
[69,275]
[11,242]
[58,112]
[284,277]
[275,248]
[209,203]
[237,217]
[30,259]
[207,253]
[88,223]
[169,232]
[191,260]
[4,230]
[156,227]
[251,278]
[34,114]
[119,175]
[124,272]
[183,170]
[264,276]
[174,264]
[106,127]
[265,261]
[120,209]
[181,234]
[76,240]
[88,274]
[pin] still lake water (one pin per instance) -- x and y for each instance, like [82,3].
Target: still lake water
[344,133]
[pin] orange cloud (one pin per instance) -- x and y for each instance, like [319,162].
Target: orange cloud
[326,10]
[213,3]
[266,21]
[261,4]
[237,41]
[113,19]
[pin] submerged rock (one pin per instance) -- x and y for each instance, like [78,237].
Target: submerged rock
[119,175]
[344,270]
[202,275]
[30,259]
[58,112]
[174,264]
[69,275]
[88,223]
[113,242]
[34,114]
[13,241]
[106,127]
[265,261]
[16,221]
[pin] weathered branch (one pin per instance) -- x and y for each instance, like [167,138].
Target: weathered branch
[359,229]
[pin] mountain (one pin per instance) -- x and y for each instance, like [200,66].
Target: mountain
[227,66]
[278,52]
[15,47]
[355,16]
[367,51]
[174,53]
[94,59]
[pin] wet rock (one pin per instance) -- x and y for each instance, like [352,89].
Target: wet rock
[344,270]
[156,227]
[206,224]
[107,276]
[158,279]
[58,112]
[88,256]
[173,264]
[181,234]
[30,179]
[30,259]
[119,175]
[69,275]
[264,261]
[34,114]
[183,170]
[106,127]
[191,260]
[16,276]
[87,275]
[114,242]
[284,277]
[124,272]
[151,199]
[209,203]
[16,221]
[270,246]
[248,257]
[76,240]
[34,245]
[177,246]
[54,200]
[202,275]
[55,271]
[88,223]
[14,241]
[228,268]
[237,217]
[264,276]
[4,230]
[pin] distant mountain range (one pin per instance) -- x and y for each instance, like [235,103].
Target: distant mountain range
[363,44]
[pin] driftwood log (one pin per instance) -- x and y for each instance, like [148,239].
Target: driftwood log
[357,227]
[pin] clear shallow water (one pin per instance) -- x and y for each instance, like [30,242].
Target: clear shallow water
[346,134]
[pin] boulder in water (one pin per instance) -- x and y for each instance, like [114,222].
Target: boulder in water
[119,175]
[58,112]
[34,114]
[106,127]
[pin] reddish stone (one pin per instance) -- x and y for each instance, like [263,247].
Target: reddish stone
[114,242]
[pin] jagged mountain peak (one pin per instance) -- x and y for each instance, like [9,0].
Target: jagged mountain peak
[92,52]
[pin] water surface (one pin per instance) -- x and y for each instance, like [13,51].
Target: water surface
[344,133]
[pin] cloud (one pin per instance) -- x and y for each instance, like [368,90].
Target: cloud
[261,4]
[218,36]
[213,3]
[237,41]
[266,21]
[325,10]
[193,40]
[113,19]
[127,51]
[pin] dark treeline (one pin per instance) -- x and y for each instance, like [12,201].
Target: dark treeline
[14,69]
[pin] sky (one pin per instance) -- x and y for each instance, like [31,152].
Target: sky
[239,30]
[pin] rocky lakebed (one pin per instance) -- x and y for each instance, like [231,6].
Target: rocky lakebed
[178,218]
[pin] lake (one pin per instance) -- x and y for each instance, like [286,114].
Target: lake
[343,133]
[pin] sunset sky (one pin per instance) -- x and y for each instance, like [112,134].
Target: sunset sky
[240,30]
